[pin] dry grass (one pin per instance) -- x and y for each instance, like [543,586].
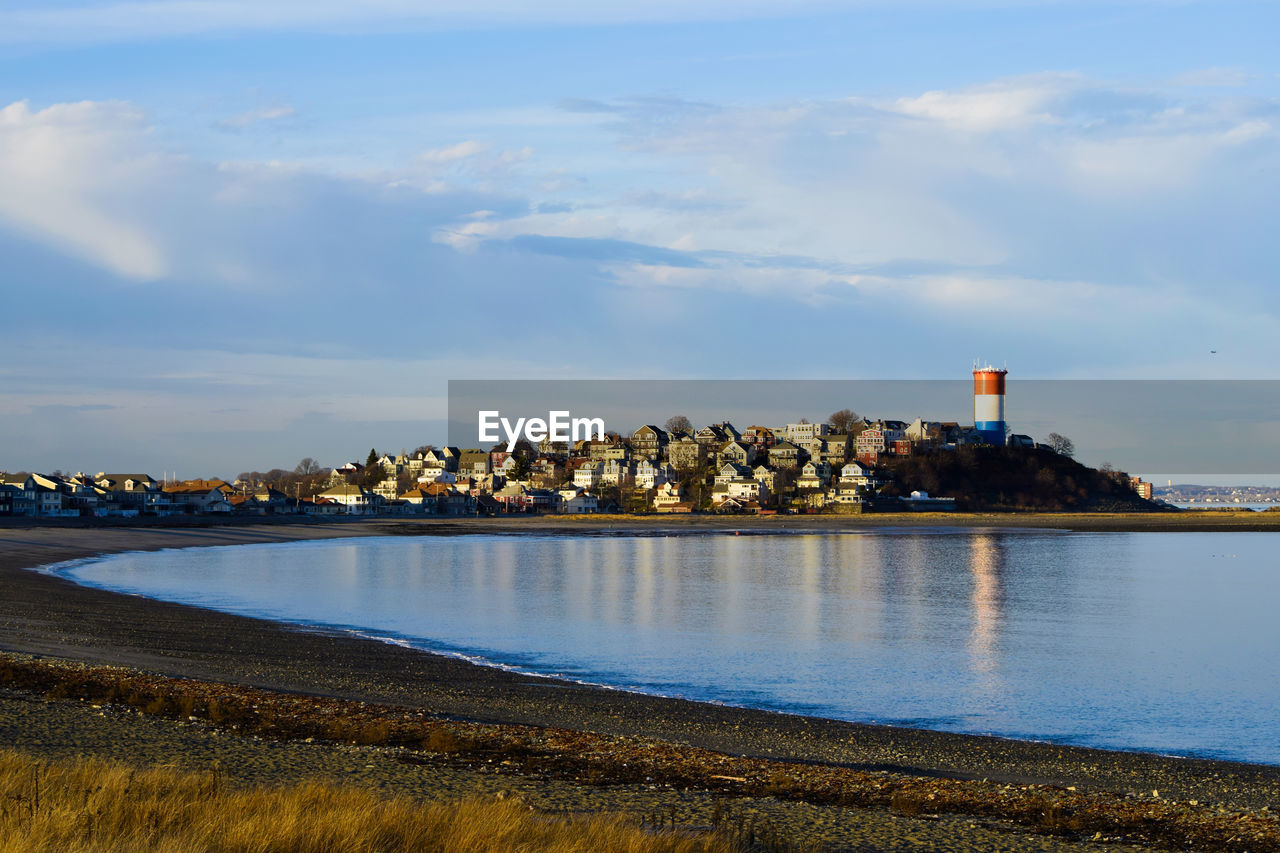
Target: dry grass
[594,759]
[87,806]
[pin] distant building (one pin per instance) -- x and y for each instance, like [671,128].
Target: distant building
[1142,487]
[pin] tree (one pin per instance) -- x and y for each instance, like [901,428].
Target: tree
[372,459]
[521,469]
[1061,444]
[308,467]
[678,423]
[841,421]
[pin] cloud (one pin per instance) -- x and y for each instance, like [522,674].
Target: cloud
[983,109]
[256,116]
[1072,226]
[74,176]
[452,153]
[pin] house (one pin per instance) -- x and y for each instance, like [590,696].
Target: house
[438,499]
[419,498]
[846,497]
[612,447]
[814,475]
[737,452]
[762,438]
[836,448]
[487,484]
[319,506]
[784,454]
[473,463]
[79,494]
[648,442]
[803,432]
[686,453]
[581,504]
[668,496]
[856,475]
[587,476]
[715,435]
[246,505]
[353,499]
[275,501]
[924,432]
[749,490]
[511,496]
[650,475]
[387,488]
[134,491]
[344,473]
[9,493]
[34,495]
[446,459]
[877,439]
[198,495]
[730,504]
[729,471]
[764,476]
[613,472]
[453,503]
[567,491]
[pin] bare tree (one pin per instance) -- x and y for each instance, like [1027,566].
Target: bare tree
[678,423]
[308,467]
[841,421]
[1061,444]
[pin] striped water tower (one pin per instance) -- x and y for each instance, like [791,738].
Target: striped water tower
[988,403]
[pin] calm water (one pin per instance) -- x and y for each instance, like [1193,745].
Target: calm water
[1152,641]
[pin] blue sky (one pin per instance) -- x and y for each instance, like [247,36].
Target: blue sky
[236,233]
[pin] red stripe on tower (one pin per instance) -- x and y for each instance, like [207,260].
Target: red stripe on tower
[988,381]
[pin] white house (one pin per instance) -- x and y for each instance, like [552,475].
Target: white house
[588,476]
[614,471]
[581,504]
[650,475]
[355,500]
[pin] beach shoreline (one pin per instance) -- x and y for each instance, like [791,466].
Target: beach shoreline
[48,616]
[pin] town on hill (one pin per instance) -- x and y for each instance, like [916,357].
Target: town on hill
[848,464]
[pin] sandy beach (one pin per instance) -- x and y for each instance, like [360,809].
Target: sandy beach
[47,616]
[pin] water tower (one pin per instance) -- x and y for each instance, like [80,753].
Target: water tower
[988,403]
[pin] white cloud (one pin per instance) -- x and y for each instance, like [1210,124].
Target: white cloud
[72,175]
[999,107]
[452,153]
[257,116]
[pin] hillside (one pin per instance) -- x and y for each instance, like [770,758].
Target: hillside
[984,478]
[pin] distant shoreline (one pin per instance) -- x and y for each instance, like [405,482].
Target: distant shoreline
[1214,520]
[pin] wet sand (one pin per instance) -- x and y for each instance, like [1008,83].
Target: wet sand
[48,616]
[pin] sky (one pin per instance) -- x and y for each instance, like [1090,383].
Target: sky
[234,233]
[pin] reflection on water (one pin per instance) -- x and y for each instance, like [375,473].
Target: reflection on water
[1150,641]
[986,562]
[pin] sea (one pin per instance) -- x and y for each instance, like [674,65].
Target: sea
[1159,642]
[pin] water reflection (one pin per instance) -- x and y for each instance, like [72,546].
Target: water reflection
[1152,641]
[986,563]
